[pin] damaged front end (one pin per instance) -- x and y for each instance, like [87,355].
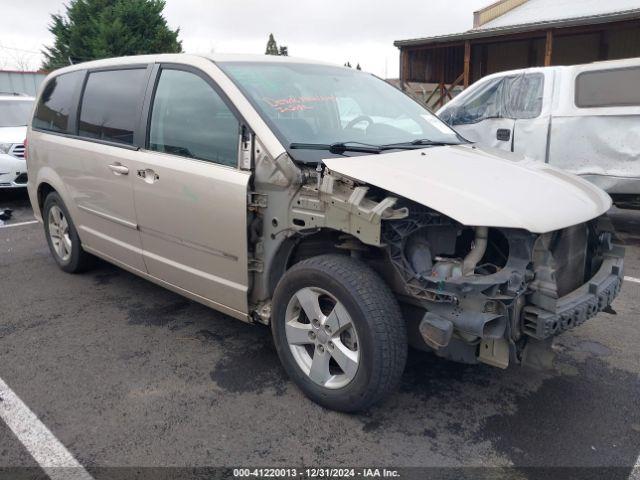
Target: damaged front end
[490,294]
[470,294]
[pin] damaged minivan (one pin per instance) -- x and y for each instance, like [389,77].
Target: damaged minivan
[323,202]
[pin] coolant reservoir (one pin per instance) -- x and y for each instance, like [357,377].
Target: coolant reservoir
[446,269]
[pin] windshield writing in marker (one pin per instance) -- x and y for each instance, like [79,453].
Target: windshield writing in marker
[296,104]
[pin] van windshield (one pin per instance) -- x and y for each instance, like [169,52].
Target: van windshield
[319,104]
[15,113]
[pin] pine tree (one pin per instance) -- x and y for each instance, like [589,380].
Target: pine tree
[358,67]
[93,29]
[272,46]
[348,64]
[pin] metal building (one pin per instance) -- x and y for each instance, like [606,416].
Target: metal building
[511,34]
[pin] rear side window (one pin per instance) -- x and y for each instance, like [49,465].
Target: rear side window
[56,102]
[110,105]
[191,120]
[608,88]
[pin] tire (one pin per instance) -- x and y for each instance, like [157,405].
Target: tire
[359,326]
[72,258]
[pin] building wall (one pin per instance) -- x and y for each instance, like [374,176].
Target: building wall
[570,46]
[20,82]
[574,49]
[436,65]
[624,43]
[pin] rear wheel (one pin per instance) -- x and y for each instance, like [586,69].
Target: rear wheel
[62,236]
[339,332]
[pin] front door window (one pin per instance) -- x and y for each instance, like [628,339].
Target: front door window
[190,119]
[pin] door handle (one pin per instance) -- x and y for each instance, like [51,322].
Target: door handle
[503,134]
[118,169]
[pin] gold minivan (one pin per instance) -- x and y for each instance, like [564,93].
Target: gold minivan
[322,201]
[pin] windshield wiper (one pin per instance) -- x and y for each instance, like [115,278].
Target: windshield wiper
[421,142]
[342,147]
[339,147]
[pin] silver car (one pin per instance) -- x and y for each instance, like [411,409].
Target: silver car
[323,202]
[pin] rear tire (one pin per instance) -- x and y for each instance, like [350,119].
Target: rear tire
[62,236]
[339,332]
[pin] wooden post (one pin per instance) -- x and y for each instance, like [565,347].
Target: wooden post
[404,68]
[467,63]
[548,49]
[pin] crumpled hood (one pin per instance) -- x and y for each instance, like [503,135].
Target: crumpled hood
[481,187]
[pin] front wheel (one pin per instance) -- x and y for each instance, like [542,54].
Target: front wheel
[339,332]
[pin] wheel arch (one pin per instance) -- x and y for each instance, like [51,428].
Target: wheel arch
[44,189]
[303,245]
[47,181]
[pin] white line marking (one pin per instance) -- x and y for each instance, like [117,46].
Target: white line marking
[31,222]
[632,279]
[43,446]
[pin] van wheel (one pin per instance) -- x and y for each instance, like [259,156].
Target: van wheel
[62,236]
[339,332]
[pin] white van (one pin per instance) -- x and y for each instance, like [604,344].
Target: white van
[582,118]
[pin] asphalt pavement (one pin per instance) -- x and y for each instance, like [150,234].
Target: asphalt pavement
[126,374]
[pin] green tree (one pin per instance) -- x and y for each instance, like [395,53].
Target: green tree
[92,29]
[272,46]
[273,49]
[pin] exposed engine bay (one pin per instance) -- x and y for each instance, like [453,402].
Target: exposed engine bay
[490,291]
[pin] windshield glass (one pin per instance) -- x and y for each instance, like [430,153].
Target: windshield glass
[318,104]
[15,113]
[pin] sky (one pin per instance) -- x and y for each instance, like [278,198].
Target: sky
[337,31]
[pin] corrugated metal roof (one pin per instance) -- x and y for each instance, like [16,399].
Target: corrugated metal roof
[545,20]
[535,11]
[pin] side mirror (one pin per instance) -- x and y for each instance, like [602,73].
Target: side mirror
[449,114]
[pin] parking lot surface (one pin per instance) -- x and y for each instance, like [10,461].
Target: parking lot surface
[125,373]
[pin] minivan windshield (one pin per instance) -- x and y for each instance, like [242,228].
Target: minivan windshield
[316,105]
[15,113]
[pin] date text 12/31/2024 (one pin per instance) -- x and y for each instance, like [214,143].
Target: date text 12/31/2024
[315,473]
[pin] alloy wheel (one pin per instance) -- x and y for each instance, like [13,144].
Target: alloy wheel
[59,233]
[322,337]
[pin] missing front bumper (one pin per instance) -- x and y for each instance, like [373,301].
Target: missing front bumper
[581,304]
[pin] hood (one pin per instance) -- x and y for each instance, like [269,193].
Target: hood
[481,187]
[11,164]
[13,134]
